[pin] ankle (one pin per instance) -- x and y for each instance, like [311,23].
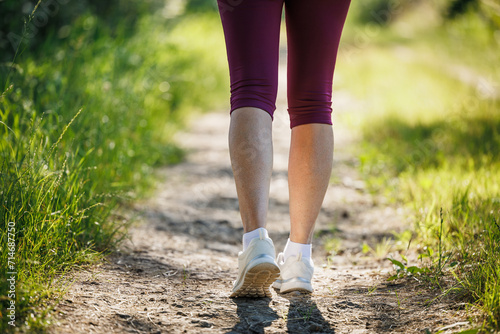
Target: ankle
[294,248]
[261,232]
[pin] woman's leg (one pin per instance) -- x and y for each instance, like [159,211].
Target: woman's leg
[314,28]
[313,33]
[251,150]
[251,30]
[309,170]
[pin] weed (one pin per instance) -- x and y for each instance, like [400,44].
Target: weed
[333,246]
[399,301]
[470,331]
[382,248]
[284,315]
[306,315]
[186,273]
[372,289]
[440,242]
[403,270]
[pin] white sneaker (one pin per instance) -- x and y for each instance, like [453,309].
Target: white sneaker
[257,269]
[296,274]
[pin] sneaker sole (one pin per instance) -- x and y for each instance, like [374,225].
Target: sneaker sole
[277,285]
[296,286]
[257,281]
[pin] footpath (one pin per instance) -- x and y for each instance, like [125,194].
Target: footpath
[175,273]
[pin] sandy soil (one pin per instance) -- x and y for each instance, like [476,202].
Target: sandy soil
[174,275]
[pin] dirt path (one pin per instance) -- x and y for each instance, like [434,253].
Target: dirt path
[175,274]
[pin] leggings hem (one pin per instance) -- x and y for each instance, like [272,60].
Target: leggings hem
[298,122]
[248,103]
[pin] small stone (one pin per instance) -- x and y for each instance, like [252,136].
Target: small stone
[205,324]
[314,327]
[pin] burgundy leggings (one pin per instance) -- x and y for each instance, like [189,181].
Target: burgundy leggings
[252,29]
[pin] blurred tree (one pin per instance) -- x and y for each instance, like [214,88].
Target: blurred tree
[201,5]
[459,7]
[382,12]
[487,9]
[16,25]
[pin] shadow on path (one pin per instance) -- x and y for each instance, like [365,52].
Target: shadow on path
[254,315]
[304,316]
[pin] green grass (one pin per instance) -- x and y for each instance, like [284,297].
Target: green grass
[84,119]
[431,140]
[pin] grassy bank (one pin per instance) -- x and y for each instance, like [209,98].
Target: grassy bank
[85,116]
[431,139]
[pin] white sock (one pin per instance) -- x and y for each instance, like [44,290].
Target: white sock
[293,249]
[249,236]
